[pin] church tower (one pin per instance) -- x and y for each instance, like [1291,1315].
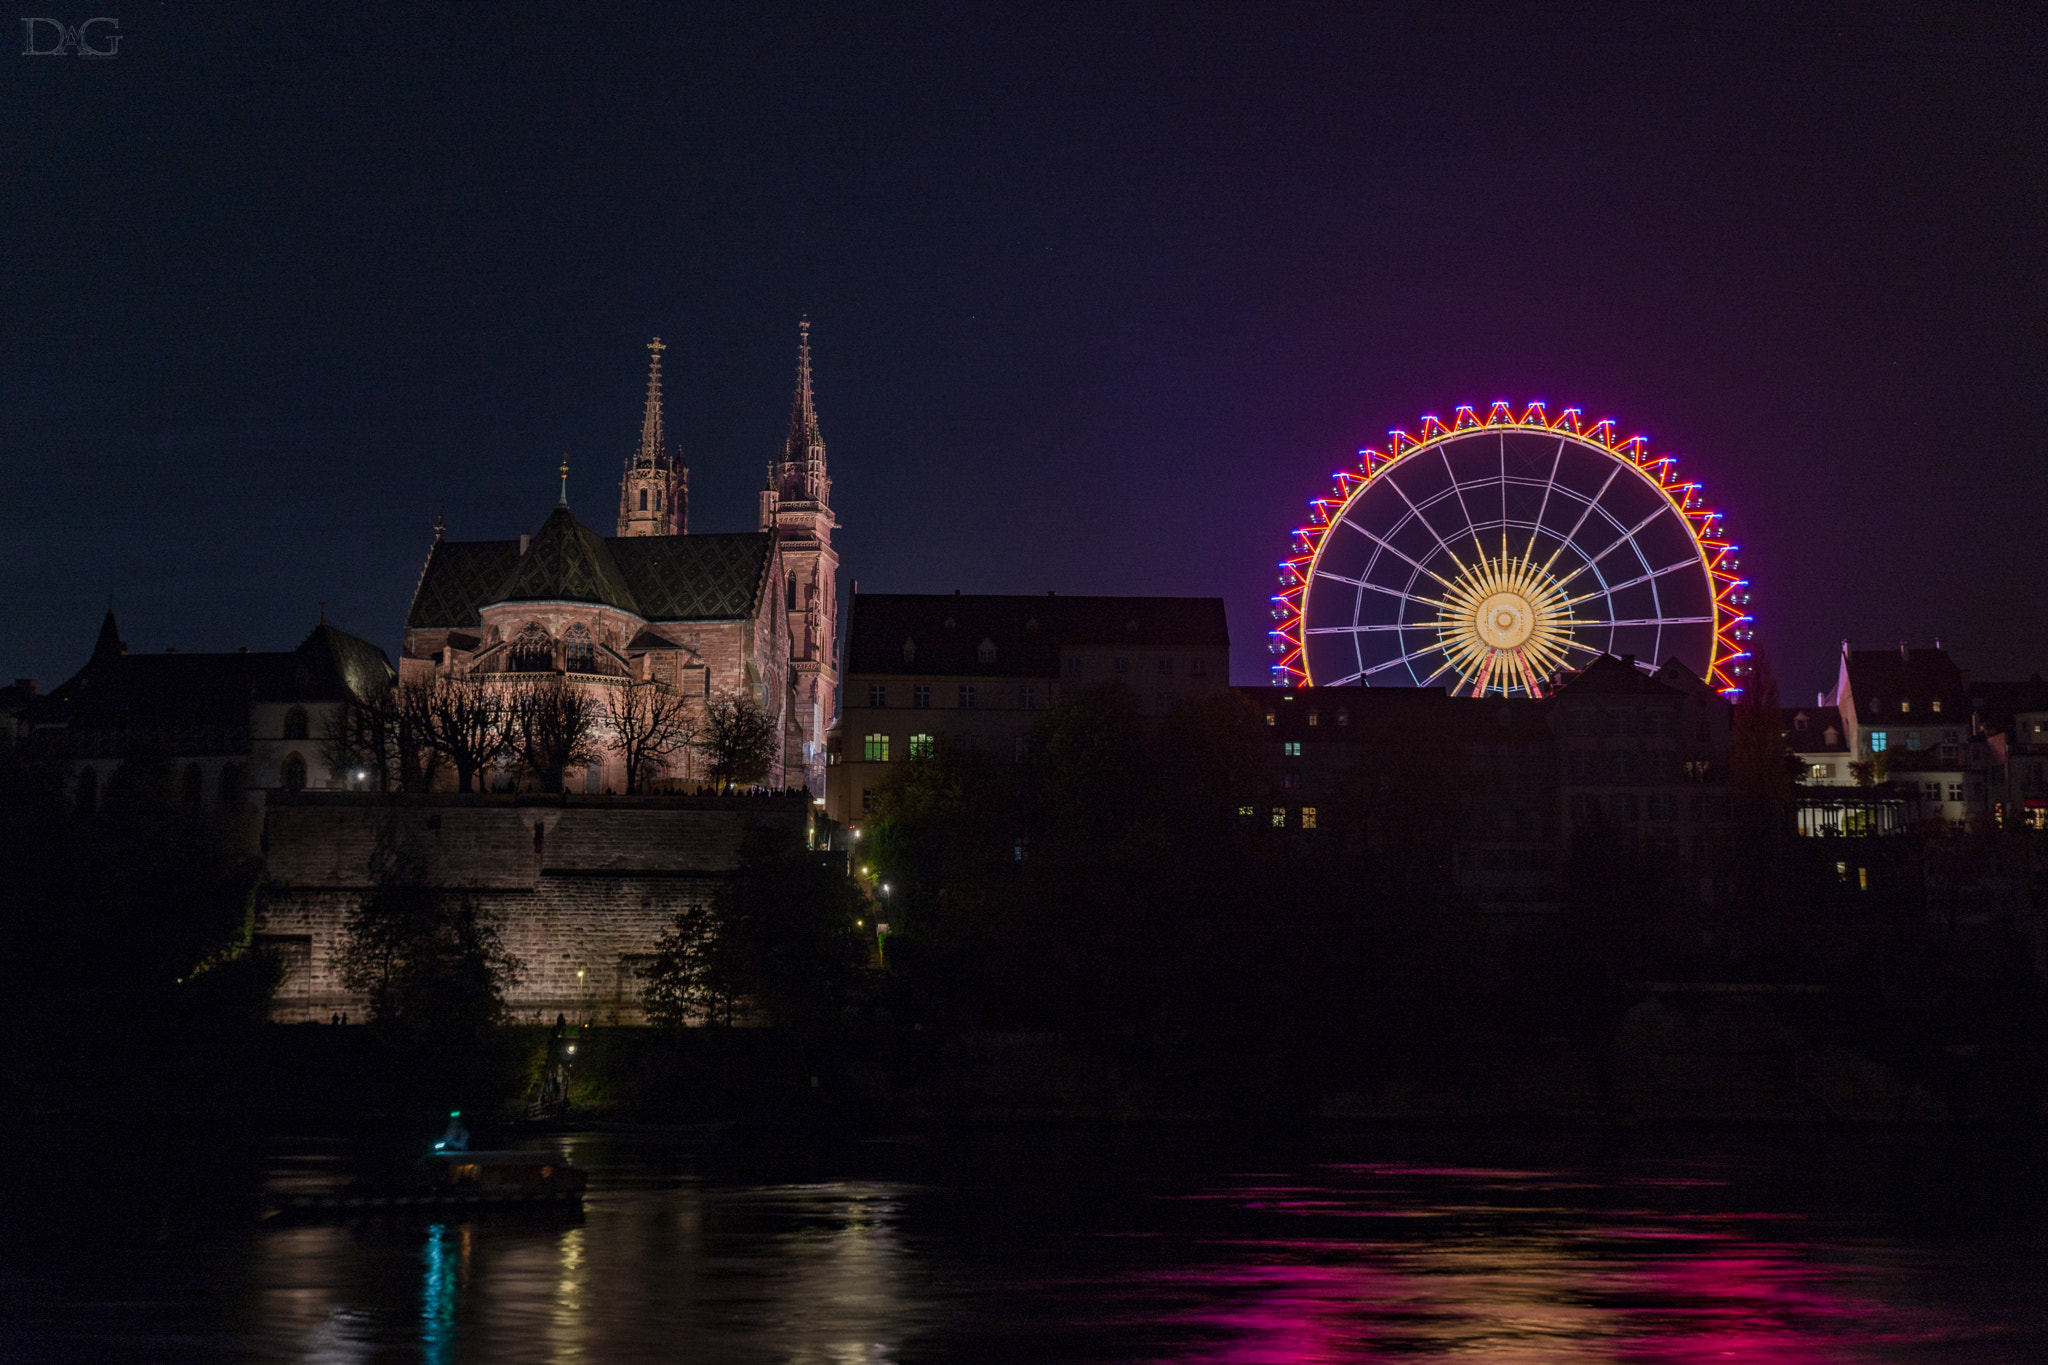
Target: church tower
[797,504]
[654,495]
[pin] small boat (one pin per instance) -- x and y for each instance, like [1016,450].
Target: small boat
[445,1180]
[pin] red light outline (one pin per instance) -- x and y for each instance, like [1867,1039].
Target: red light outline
[1732,624]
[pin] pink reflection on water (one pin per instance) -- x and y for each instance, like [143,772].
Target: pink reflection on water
[1500,1285]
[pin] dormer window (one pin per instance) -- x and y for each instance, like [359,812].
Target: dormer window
[1905,706]
[1832,735]
[1936,704]
[985,652]
[1799,721]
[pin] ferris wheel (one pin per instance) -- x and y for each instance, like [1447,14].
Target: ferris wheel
[1493,554]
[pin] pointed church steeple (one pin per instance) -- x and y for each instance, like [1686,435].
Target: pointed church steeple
[653,449]
[110,644]
[803,444]
[654,495]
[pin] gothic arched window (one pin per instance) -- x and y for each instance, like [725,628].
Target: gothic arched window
[582,654]
[792,592]
[293,776]
[295,723]
[643,500]
[533,651]
[657,499]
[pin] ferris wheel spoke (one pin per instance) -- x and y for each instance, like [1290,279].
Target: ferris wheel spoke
[1375,629]
[1591,503]
[1398,553]
[1611,589]
[1556,462]
[1655,621]
[1471,527]
[1624,538]
[1405,658]
[1427,526]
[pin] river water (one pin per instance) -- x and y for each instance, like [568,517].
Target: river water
[1083,1247]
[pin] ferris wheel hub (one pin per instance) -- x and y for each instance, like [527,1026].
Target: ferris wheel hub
[1504,620]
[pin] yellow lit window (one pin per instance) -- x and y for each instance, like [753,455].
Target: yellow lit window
[876,748]
[1308,817]
[1279,817]
[1245,812]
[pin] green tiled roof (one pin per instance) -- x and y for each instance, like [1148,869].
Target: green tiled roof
[658,578]
[460,577]
[567,562]
[696,578]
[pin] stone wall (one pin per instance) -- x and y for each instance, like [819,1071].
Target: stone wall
[582,886]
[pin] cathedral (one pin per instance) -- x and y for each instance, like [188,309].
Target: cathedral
[748,614]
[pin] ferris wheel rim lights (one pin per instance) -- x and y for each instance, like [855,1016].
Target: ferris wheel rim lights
[1732,624]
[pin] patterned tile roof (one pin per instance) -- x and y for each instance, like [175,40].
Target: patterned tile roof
[657,578]
[460,577]
[696,578]
[567,562]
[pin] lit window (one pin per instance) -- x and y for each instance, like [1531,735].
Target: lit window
[1292,748]
[1937,706]
[921,696]
[1279,817]
[920,746]
[1165,667]
[878,695]
[1877,741]
[966,697]
[1027,697]
[1314,719]
[1269,716]
[1245,812]
[1863,878]
[875,748]
[985,652]
[1308,817]
[1905,706]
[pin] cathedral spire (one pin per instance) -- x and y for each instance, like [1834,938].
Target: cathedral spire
[653,445]
[803,444]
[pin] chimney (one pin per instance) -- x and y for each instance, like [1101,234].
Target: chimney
[1902,651]
[524,541]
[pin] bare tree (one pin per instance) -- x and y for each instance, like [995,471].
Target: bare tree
[739,741]
[552,727]
[650,723]
[386,737]
[462,719]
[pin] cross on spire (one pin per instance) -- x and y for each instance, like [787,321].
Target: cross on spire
[565,480]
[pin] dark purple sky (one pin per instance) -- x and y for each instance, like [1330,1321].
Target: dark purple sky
[1100,295]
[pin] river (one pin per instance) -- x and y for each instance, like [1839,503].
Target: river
[1079,1247]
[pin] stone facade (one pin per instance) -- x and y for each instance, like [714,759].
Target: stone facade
[581,890]
[797,506]
[746,614]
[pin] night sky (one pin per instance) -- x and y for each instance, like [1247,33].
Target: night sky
[1099,295]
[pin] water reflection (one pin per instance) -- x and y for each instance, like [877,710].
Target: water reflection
[1030,1249]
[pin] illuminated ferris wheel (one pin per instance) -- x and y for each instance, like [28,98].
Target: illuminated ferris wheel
[1495,553]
